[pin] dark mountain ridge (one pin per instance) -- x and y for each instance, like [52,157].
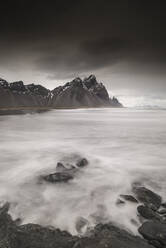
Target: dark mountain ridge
[75,94]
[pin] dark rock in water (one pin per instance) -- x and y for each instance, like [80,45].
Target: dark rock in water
[60,167]
[64,173]
[129,198]
[57,177]
[100,215]
[5,208]
[147,197]
[36,236]
[155,243]
[147,212]
[154,230]
[162,211]
[7,227]
[135,222]
[81,225]
[82,162]
[120,202]
[31,235]
[110,236]
[163,204]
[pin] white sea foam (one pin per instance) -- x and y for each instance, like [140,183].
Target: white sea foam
[122,146]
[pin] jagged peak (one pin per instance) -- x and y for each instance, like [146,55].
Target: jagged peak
[92,77]
[90,81]
[2,80]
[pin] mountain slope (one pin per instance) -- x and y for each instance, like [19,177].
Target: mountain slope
[75,94]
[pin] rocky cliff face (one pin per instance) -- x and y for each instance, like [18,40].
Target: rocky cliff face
[17,94]
[75,94]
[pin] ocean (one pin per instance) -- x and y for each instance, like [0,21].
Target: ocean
[123,147]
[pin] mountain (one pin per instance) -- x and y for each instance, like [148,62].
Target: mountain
[75,94]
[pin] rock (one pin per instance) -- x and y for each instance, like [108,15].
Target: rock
[36,236]
[120,202]
[81,225]
[134,222]
[100,215]
[115,103]
[163,204]
[17,86]
[147,197]
[154,230]
[129,198]
[155,243]
[5,208]
[110,236]
[82,162]
[64,173]
[31,235]
[7,226]
[147,212]
[57,177]
[162,211]
[60,167]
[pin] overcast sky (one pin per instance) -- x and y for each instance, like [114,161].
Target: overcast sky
[122,42]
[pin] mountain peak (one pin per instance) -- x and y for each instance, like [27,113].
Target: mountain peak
[75,94]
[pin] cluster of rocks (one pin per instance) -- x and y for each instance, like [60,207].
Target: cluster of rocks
[64,173]
[75,94]
[152,214]
[15,235]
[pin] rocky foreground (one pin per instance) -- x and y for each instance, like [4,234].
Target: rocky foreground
[151,211]
[75,94]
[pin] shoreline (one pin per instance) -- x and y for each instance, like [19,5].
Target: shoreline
[14,234]
[26,110]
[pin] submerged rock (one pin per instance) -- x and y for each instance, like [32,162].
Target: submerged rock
[81,225]
[57,177]
[82,162]
[129,198]
[119,202]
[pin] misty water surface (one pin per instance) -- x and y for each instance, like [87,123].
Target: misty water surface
[123,146]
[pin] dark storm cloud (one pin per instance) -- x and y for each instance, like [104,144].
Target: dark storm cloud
[66,37]
[88,55]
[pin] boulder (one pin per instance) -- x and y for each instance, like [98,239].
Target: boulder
[81,225]
[57,177]
[163,204]
[82,162]
[154,230]
[119,202]
[60,167]
[162,211]
[147,212]
[110,236]
[129,198]
[147,197]
[36,236]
